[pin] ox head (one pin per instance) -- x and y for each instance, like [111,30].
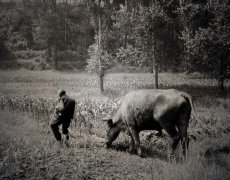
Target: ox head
[112,133]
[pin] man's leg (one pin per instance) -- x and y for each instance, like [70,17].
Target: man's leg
[54,126]
[65,126]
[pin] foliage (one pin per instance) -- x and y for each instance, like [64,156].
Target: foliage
[123,24]
[209,44]
[36,63]
[131,56]
[93,63]
[152,34]
[170,34]
[15,29]
[28,54]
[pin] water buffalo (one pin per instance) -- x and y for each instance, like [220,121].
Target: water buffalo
[152,110]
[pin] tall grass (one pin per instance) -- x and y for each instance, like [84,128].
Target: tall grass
[93,111]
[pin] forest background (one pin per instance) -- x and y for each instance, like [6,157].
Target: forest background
[136,35]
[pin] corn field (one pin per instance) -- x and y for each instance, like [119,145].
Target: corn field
[91,112]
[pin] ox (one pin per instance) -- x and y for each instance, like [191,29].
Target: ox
[152,110]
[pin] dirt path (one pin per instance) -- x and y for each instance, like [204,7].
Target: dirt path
[26,152]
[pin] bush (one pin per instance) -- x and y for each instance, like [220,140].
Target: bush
[37,63]
[28,54]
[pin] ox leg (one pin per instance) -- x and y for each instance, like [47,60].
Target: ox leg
[135,135]
[185,144]
[132,144]
[175,139]
[182,126]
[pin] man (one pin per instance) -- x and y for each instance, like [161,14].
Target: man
[64,112]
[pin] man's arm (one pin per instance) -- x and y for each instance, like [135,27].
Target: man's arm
[60,106]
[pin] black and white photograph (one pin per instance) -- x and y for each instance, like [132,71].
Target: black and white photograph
[114,89]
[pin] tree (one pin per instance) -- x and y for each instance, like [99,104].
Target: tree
[154,34]
[206,45]
[16,29]
[98,9]
[123,24]
[64,29]
[209,48]
[92,62]
[151,29]
[193,16]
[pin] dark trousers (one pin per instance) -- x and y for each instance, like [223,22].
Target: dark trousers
[65,122]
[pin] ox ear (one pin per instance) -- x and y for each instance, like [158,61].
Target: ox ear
[110,123]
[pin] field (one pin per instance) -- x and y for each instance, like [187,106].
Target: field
[29,151]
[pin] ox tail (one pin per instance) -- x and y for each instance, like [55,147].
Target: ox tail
[196,120]
[188,98]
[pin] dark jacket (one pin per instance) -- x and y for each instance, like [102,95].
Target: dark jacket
[69,106]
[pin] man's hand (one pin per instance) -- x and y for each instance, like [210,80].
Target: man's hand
[60,106]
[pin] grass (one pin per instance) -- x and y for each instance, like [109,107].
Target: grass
[27,153]
[27,99]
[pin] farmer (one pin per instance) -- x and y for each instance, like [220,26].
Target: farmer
[64,112]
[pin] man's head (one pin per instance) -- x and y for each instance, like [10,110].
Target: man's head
[61,92]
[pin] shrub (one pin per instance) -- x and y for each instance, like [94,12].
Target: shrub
[37,63]
[28,54]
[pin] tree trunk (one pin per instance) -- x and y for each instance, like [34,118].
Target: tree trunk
[49,53]
[156,74]
[53,9]
[221,74]
[55,55]
[66,24]
[155,64]
[125,43]
[101,74]
[101,81]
